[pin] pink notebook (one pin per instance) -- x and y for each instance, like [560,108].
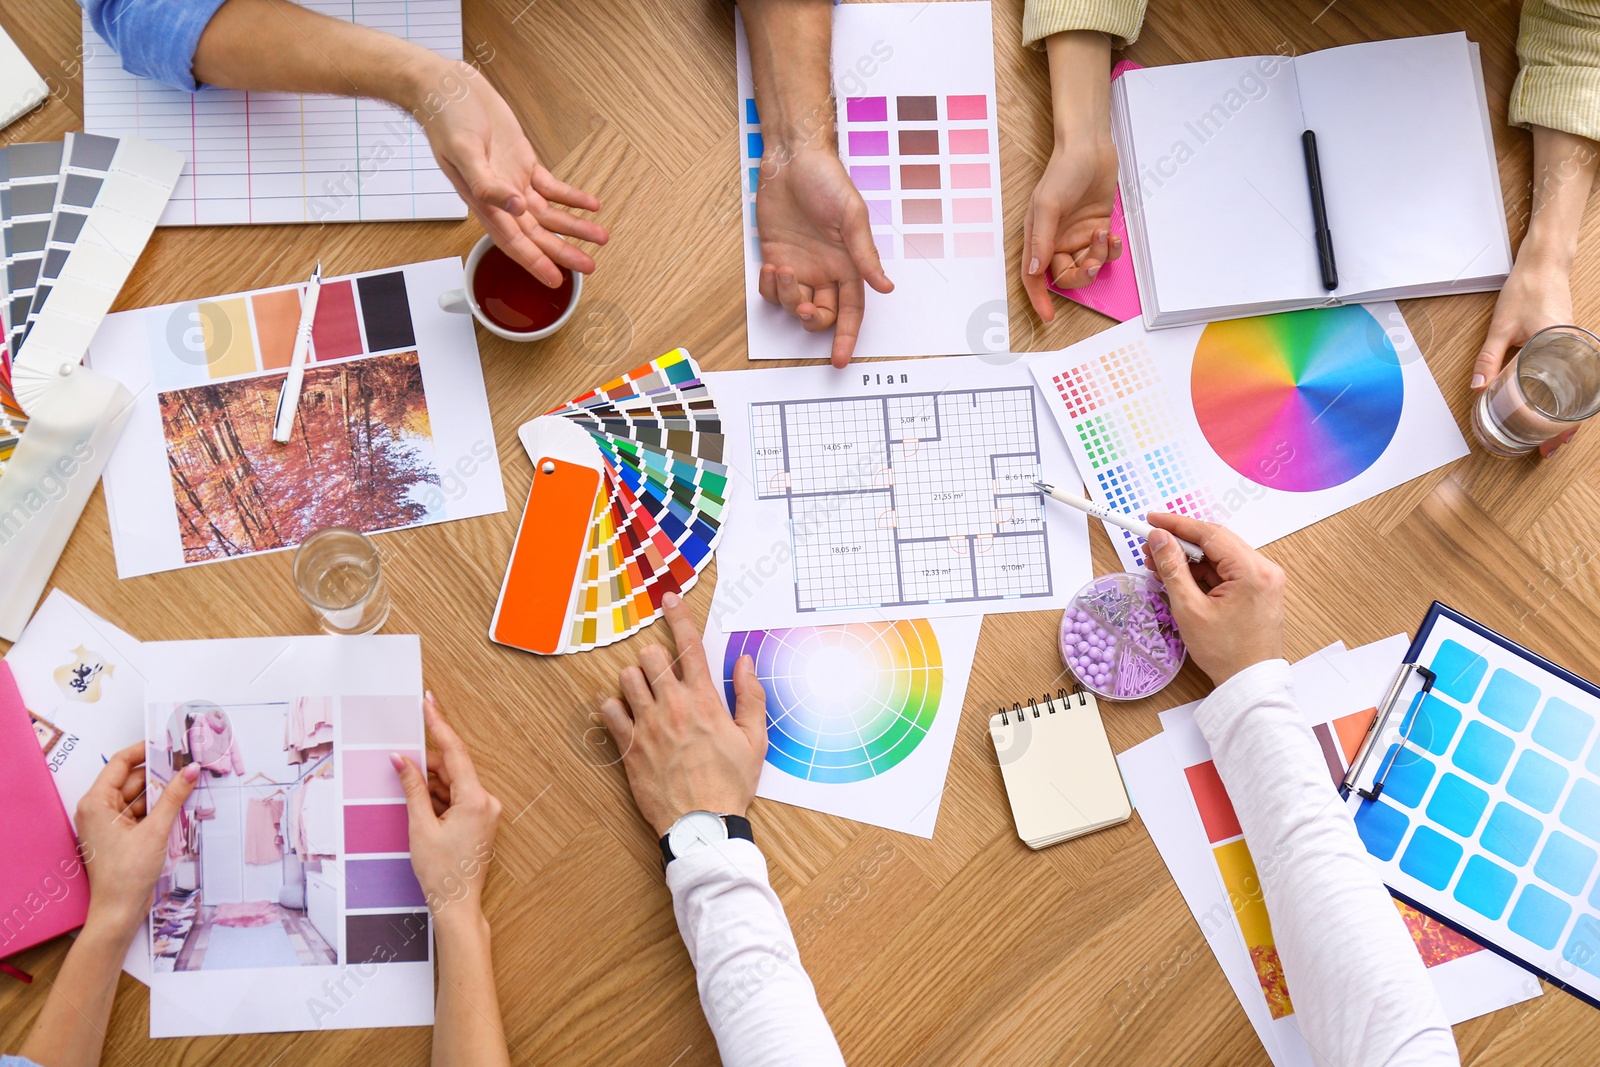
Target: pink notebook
[44,890]
[1113,291]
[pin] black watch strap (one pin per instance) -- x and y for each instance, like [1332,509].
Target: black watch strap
[738,827]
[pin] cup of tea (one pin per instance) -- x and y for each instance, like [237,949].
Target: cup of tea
[510,302]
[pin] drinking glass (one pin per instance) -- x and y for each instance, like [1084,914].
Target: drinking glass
[1552,384]
[336,571]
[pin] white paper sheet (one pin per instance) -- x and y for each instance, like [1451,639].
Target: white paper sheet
[917,132]
[1264,425]
[374,688]
[899,491]
[196,361]
[1331,684]
[861,719]
[257,157]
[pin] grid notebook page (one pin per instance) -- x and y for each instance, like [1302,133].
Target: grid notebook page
[286,157]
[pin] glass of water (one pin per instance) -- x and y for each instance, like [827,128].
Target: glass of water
[336,571]
[1551,385]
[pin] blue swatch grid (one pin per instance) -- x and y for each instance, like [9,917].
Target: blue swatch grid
[1494,802]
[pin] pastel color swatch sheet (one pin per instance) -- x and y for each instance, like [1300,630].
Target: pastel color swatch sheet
[1263,424]
[1489,815]
[918,137]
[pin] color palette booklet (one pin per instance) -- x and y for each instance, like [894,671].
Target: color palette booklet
[917,133]
[1265,425]
[891,491]
[287,900]
[392,430]
[861,717]
[1489,814]
[1183,804]
[626,506]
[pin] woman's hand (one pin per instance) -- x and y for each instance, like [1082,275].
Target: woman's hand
[123,847]
[453,822]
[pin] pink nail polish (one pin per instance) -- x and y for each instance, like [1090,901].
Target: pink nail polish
[395,761]
[1479,381]
[191,772]
[1033,265]
[1092,271]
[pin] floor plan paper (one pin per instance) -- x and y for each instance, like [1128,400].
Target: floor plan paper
[899,491]
[917,134]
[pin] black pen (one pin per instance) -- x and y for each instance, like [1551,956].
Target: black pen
[1319,212]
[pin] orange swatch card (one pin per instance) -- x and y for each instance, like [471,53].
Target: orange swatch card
[536,598]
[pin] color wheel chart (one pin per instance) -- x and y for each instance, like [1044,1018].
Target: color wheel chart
[844,703]
[1263,424]
[1328,385]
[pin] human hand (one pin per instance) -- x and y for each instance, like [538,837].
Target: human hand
[124,847]
[1067,235]
[452,820]
[1537,294]
[816,244]
[682,750]
[1238,621]
[481,148]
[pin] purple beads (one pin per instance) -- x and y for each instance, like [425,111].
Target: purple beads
[1118,636]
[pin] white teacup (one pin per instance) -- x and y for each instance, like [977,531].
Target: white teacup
[465,301]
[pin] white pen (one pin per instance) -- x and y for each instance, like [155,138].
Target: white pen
[1139,529]
[289,398]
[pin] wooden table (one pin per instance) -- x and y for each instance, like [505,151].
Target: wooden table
[965,949]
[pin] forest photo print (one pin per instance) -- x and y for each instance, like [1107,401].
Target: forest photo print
[361,456]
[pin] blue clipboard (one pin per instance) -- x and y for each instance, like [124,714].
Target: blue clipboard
[1369,773]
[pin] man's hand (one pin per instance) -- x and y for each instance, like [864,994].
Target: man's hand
[481,148]
[1238,621]
[682,750]
[123,847]
[816,244]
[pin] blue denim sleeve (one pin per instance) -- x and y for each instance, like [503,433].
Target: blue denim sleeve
[155,38]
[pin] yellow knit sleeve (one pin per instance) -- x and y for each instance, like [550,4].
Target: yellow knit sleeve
[1559,83]
[1120,18]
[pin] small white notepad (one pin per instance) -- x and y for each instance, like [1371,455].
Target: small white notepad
[21,88]
[1060,774]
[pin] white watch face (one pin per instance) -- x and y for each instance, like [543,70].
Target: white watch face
[696,830]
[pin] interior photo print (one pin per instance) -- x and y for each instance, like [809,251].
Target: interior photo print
[243,884]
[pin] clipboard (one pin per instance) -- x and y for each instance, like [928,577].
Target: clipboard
[1511,856]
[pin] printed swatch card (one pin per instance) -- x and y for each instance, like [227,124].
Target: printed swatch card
[392,430]
[917,134]
[287,900]
[1264,425]
[81,680]
[861,717]
[1489,813]
[903,491]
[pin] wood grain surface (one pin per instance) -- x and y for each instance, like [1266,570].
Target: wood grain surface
[965,949]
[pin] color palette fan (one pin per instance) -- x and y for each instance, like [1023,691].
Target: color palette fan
[844,703]
[626,505]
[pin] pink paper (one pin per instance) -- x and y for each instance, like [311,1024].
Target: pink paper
[44,890]
[1113,291]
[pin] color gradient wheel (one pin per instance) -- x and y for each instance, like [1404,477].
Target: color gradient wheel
[844,703]
[1301,401]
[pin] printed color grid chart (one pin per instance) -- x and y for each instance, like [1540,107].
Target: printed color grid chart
[1490,813]
[284,157]
[917,134]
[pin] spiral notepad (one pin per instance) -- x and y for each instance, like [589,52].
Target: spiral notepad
[1060,775]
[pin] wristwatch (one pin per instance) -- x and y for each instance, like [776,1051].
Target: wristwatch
[697,829]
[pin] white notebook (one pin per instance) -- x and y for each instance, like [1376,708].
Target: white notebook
[21,88]
[1060,774]
[1218,203]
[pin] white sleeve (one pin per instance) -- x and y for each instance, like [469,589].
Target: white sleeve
[1360,991]
[761,1006]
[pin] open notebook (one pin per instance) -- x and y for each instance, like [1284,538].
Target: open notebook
[1217,200]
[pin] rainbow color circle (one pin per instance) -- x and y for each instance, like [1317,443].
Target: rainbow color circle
[844,703]
[1301,401]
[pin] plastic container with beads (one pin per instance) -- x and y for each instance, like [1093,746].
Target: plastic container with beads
[1118,638]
